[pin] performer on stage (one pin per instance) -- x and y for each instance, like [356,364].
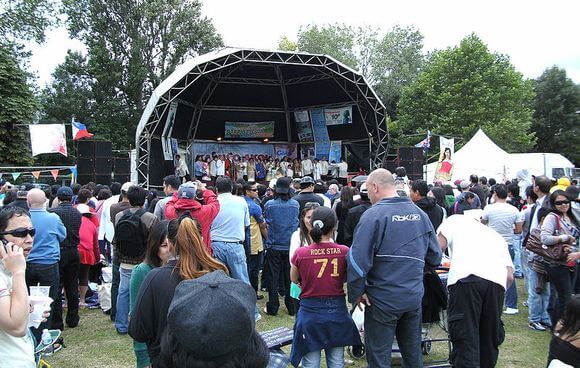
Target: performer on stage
[181,169]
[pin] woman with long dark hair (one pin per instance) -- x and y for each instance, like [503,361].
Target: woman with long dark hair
[345,204]
[565,343]
[189,259]
[323,321]
[560,226]
[439,194]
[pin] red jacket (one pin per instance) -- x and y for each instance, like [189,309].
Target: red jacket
[205,214]
[88,247]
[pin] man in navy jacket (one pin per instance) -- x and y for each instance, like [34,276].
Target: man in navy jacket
[392,242]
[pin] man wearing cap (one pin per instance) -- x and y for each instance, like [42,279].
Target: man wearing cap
[355,213]
[258,232]
[392,243]
[281,214]
[42,262]
[69,263]
[170,185]
[464,186]
[307,193]
[20,200]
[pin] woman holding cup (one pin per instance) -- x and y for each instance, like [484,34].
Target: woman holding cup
[16,341]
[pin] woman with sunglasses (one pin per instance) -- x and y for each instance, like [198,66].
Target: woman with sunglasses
[156,255]
[560,226]
[16,341]
[188,259]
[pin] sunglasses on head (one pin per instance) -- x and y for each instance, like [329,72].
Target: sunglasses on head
[21,232]
[557,203]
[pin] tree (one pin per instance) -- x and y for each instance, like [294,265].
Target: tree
[17,106]
[465,88]
[132,46]
[557,114]
[26,19]
[388,62]
[286,44]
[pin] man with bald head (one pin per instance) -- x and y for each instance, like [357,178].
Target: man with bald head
[392,242]
[42,262]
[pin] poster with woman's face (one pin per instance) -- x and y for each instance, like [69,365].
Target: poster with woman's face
[444,170]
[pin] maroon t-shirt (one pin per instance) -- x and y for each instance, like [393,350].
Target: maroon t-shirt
[322,268]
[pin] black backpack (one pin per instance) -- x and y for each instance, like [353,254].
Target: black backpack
[130,234]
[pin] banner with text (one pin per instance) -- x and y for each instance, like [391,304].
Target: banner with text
[47,138]
[285,150]
[233,148]
[335,151]
[338,116]
[320,133]
[263,129]
[303,126]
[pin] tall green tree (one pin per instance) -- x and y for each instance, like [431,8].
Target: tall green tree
[468,87]
[132,46]
[17,106]
[388,62]
[557,114]
[27,19]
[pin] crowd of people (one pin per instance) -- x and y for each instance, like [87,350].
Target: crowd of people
[190,264]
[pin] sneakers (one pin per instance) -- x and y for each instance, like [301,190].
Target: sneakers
[537,326]
[511,311]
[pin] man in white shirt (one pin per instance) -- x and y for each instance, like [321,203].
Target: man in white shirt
[342,172]
[220,166]
[481,270]
[181,170]
[324,167]
[307,167]
[213,168]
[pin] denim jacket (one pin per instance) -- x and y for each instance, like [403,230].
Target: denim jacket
[282,219]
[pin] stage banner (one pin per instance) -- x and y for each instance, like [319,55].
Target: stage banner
[47,138]
[338,116]
[303,126]
[444,170]
[233,148]
[320,132]
[263,129]
[166,136]
[286,150]
[306,150]
[335,151]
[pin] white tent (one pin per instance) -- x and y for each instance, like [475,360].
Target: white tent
[552,165]
[479,156]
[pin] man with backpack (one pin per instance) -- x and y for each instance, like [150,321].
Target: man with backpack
[131,230]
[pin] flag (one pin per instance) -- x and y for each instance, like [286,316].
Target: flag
[79,131]
[47,138]
[36,174]
[54,173]
[15,175]
[425,143]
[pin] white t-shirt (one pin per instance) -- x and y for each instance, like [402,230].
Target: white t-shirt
[502,217]
[342,170]
[15,352]
[306,167]
[220,168]
[475,249]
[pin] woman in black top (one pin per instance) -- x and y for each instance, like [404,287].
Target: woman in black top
[565,343]
[345,204]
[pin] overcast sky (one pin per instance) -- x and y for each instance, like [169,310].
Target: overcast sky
[535,34]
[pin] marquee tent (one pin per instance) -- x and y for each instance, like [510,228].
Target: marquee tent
[243,85]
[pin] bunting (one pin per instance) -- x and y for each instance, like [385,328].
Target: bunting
[36,174]
[15,175]
[54,173]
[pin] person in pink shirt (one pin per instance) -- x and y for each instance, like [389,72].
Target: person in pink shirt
[88,247]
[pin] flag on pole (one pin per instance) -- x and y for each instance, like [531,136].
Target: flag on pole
[79,131]
[47,138]
[54,173]
[36,174]
[425,143]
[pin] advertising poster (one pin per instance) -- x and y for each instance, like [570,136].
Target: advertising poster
[263,129]
[286,150]
[338,116]
[335,151]
[320,132]
[444,170]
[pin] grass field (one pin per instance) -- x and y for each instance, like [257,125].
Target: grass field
[95,343]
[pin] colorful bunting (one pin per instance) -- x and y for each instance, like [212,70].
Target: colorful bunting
[54,173]
[36,174]
[15,175]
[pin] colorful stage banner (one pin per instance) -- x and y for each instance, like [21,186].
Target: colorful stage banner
[47,138]
[444,170]
[264,129]
[320,133]
[303,126]
[338,116]
[166,136]
[233,148]
[286,150]
[335,151]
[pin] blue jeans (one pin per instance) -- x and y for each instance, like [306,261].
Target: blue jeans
[517,245]
[380,330]
[122,316]
[233,255]
[511,294]
[334,358]
[537,302]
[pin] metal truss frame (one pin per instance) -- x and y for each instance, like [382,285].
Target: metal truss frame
[219,71]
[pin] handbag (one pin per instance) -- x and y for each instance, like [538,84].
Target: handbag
[556,252]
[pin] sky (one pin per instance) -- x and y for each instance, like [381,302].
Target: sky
[534,34]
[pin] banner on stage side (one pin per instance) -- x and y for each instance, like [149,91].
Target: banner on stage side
[262,129]
[240,149]
[320,133]
[338,116]
[444,170]
[285,150]
[303,126]
[335,151]
[301,116]
[166,136]
[306,150]
[47,138]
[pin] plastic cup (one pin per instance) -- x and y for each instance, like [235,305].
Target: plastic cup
[40,291]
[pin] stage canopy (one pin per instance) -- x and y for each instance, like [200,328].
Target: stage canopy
[242,85]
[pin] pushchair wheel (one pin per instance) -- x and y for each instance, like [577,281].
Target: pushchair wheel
[356,352]
[426,347]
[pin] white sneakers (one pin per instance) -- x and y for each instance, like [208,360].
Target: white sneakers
[511,311]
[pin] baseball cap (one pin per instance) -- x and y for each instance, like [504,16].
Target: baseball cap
[125,187]
[64,192]
[283,185]
[272,184]
[222,321]
[186,192]
[306,180]
[363,188]
[464,184]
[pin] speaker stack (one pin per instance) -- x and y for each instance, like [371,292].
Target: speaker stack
[94,162]
[411,158]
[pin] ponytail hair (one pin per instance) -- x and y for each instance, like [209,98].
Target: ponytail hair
[193,258]
[323,223]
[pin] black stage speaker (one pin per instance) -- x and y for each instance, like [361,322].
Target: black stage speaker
[85,166]
[103,149]
[86,178]
[121,165]
[418,153]
[104,179]
[86,149]
[122,178]
[405,153]
[103,165]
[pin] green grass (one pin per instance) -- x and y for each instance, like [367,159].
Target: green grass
[95,343]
